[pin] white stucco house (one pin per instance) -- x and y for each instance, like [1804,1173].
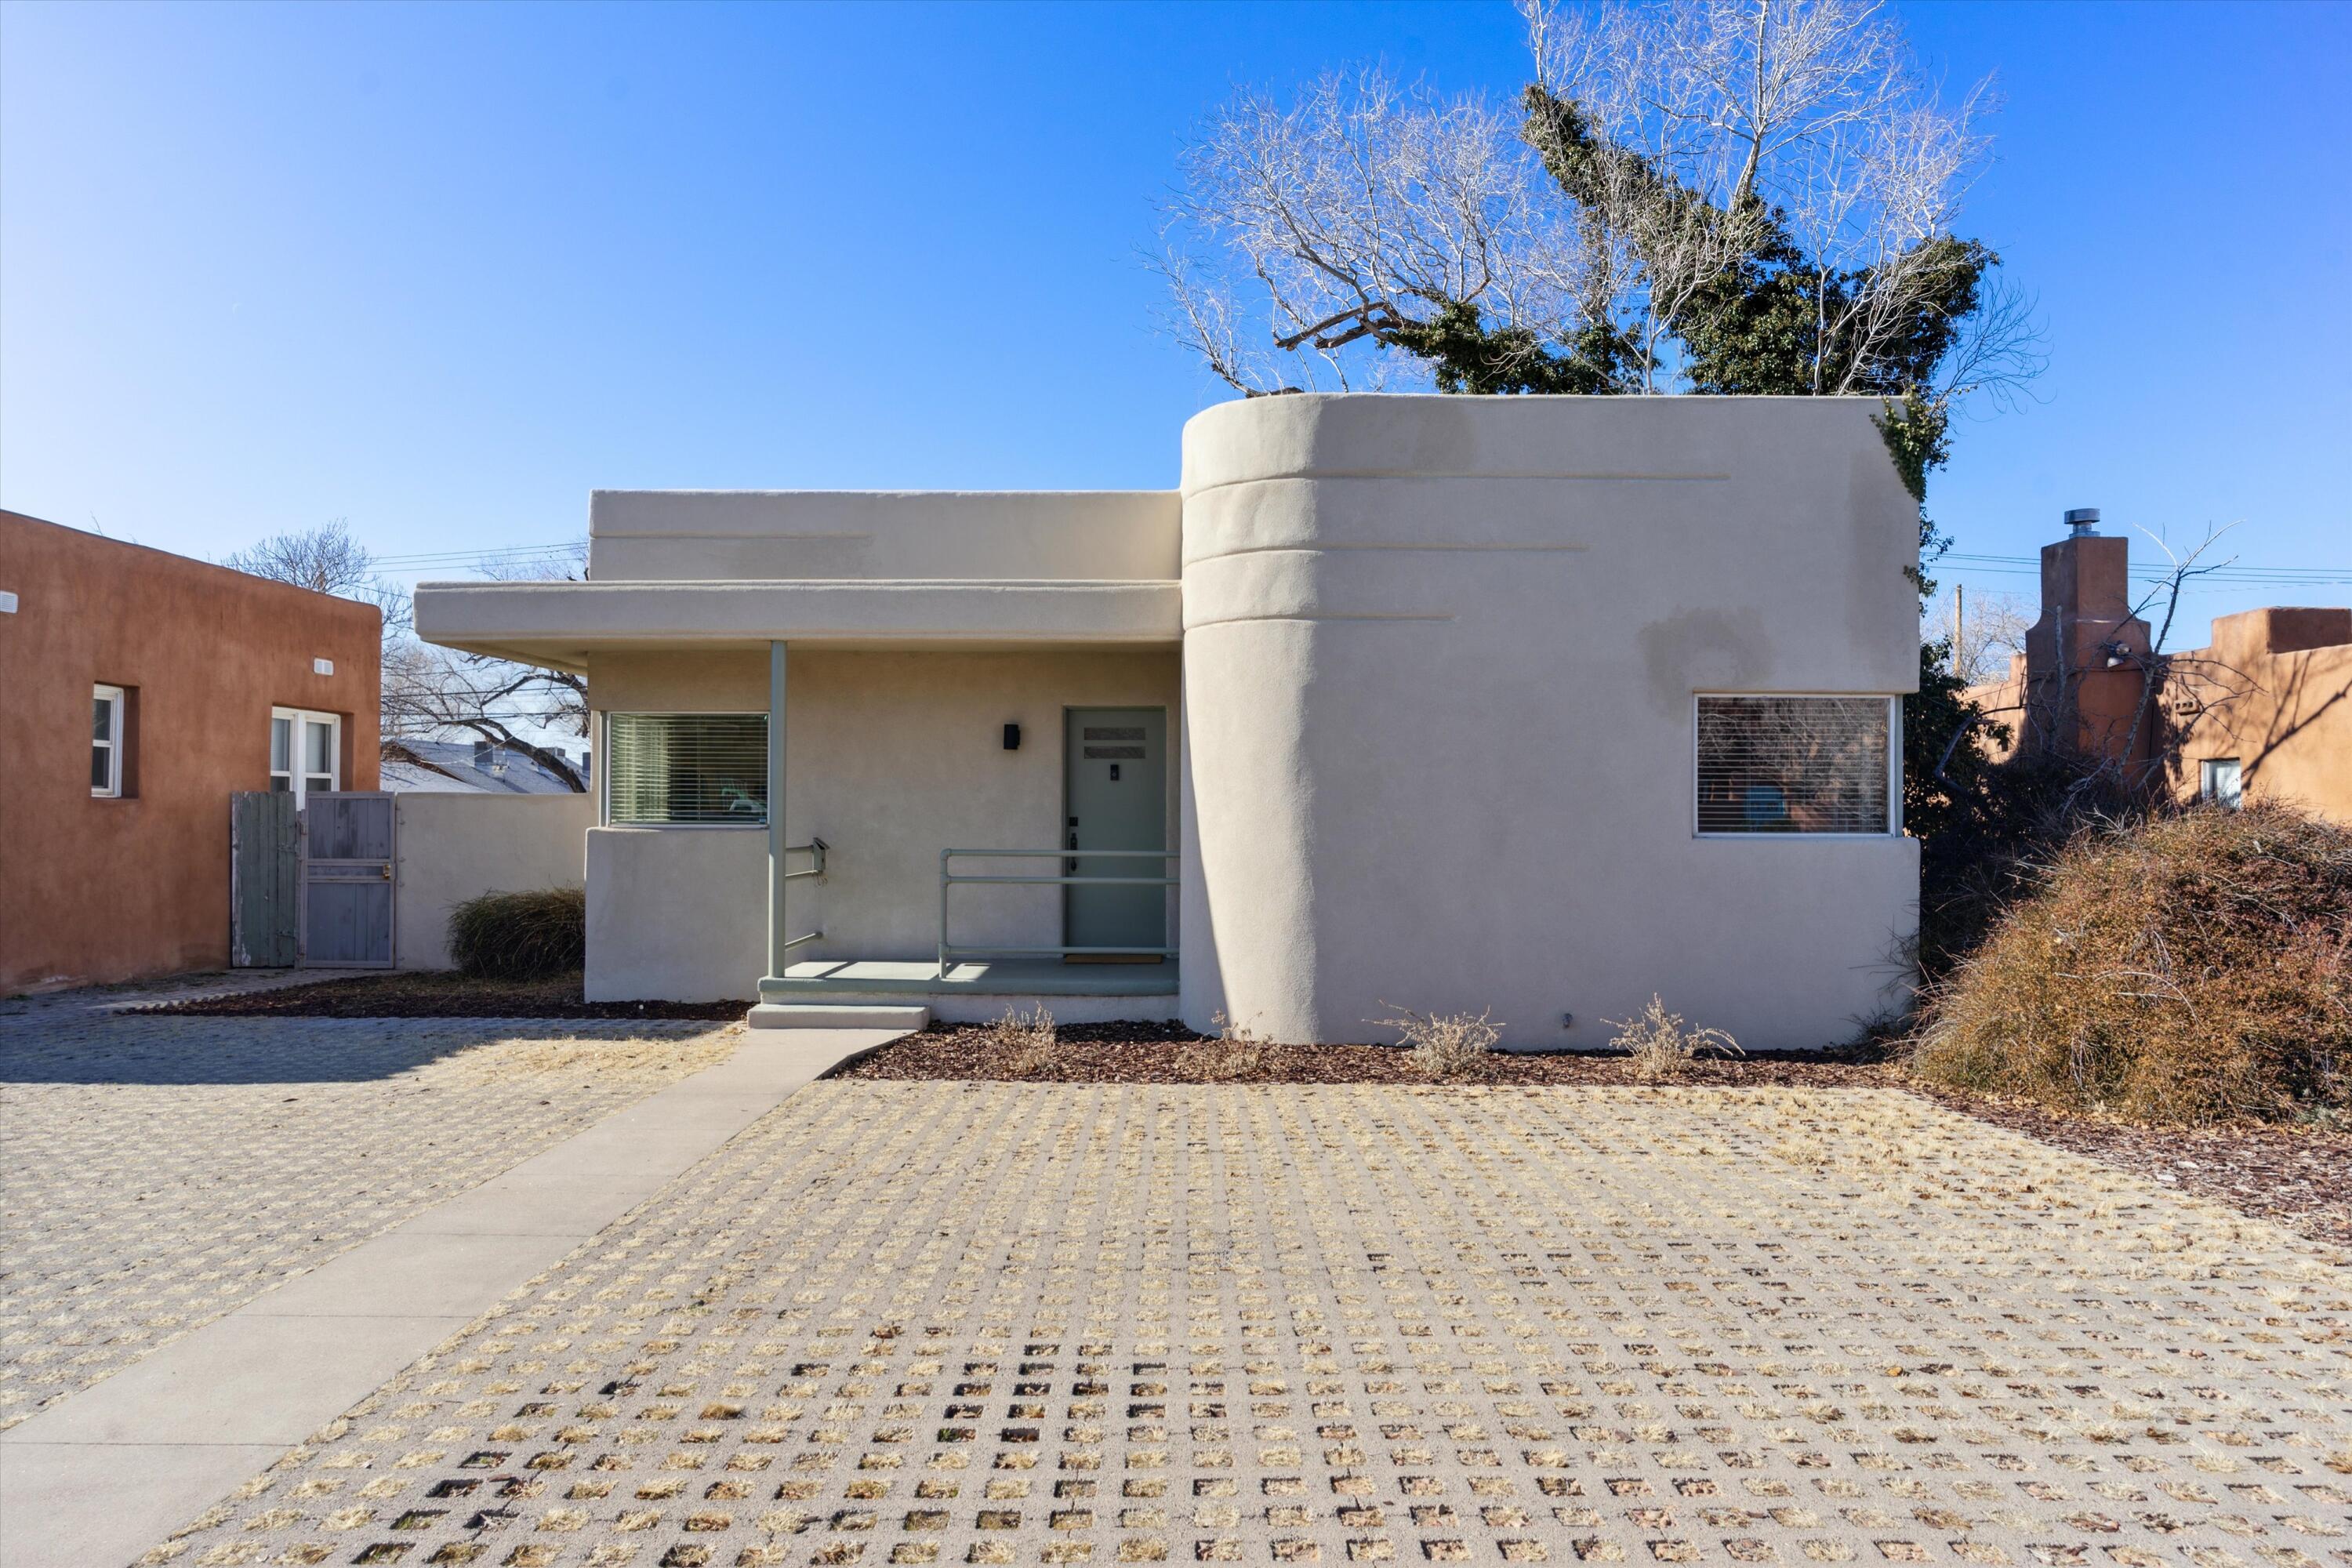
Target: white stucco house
[1535,704]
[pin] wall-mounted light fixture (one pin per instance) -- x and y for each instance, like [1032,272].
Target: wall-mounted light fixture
[1013,737]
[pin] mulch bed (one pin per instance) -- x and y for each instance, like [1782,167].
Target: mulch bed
[426,994]
[1170,1053]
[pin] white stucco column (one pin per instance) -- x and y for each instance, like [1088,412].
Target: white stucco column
[779,955]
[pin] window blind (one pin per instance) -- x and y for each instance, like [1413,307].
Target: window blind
[1794,764]
[687,769]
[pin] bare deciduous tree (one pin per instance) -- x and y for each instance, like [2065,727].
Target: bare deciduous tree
[1364,212]
[1688,160]
[1983,630]
[434,693]
[328,559]
[431,693]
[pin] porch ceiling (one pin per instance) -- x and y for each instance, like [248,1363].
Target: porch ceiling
[561,624]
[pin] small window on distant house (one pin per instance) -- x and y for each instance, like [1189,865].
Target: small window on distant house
[1796,765]
[306,751]
[2221,782]
[687,770]
[106,708]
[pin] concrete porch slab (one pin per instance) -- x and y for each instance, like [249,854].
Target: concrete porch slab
[836,1015]
[825,979]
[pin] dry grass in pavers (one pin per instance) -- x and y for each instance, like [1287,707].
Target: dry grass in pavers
[1027,1323]
[2298,1177]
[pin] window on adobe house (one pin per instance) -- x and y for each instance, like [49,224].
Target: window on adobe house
[1785,764]
[108,739]
[2221,780]
[306,751]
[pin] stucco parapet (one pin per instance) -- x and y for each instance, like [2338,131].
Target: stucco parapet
[1367,435]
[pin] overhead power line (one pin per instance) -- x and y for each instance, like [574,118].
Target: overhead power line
[2284,576]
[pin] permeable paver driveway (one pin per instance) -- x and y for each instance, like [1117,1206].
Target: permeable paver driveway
[915,1324]
[157,1173]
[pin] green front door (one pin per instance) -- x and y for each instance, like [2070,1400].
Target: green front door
[1114,761]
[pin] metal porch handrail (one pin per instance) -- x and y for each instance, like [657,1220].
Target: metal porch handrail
[816,847]
[949,951]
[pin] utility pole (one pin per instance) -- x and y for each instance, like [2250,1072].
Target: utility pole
[1959,622]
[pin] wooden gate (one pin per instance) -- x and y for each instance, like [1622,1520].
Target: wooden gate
[264,858]
[347,879]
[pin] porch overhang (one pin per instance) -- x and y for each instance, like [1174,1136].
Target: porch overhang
[561,624]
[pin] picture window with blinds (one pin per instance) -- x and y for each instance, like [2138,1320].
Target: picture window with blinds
[1796,765]
[687,770]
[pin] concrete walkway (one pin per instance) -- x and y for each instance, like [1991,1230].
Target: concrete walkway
[101,1476]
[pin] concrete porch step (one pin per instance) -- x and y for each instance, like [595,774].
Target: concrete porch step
[835,1015]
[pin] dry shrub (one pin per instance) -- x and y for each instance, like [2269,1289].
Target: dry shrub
[1662,1046]
[520,936]
[1026,1039]
[2188,969]
[1238,1052]
[1448,1047]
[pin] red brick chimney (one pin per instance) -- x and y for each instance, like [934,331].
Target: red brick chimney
[2089,674]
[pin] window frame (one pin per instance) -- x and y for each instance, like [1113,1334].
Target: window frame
[296,774]
[2207,794]
[1893,769]
[603,777]
[118,701]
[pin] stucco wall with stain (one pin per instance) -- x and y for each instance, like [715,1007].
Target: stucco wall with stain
[95,889]
[1440,662]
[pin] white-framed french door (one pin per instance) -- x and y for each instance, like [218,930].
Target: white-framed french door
[306,753]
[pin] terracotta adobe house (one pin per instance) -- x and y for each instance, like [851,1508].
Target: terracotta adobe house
[1535,704]
[138,690]
[2264,713]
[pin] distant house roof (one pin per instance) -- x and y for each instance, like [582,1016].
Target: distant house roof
[471,766]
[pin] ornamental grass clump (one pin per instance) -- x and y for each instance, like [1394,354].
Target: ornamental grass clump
[1025,1040]
[1662,1046]
[1447,1047]
[520,936]
[2189,968]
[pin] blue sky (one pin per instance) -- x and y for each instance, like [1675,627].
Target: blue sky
[441,270]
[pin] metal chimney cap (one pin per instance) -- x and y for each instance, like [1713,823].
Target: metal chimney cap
[2083,520]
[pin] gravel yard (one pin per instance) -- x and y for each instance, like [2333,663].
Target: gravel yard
[929,1322]
[163,1171]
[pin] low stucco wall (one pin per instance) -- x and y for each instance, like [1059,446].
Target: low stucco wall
[676,913]
[455,847]
[1440,659]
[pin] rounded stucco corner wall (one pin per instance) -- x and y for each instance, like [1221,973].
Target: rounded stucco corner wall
[1440,655]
